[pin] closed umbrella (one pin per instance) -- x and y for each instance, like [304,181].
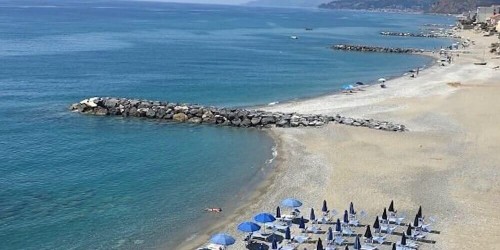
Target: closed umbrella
[248,227]
[419,213]
[324,209]
[288,235]
[403,240]
[319,245]
[384,214]
[222,239]
[376,224]
[346,248]
[302,224]
[391,207]
[408,230]
[330,234]
[368,232]
[312,216]
[338,226]
[351,208]
[290,202]
[394,246]
[278,212]
[274,244]
[346,217]
[415,222]
[357,243]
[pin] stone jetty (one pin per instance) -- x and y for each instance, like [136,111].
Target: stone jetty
[427,35]
[364,48]
[197,114]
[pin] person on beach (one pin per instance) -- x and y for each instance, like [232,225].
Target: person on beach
[214,210]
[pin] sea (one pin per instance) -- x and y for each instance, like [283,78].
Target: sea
[72,181]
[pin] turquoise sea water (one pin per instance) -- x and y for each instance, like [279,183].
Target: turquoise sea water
[69,181]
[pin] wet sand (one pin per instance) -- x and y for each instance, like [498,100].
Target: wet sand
[448,162]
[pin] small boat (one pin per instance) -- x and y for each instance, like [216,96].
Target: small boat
[309,29]
[294,37]
[480,63]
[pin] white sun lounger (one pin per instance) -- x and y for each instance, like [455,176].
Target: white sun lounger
[387,228]
[260,235]
[379,239]
[368,247]
[409,244]
[338,240]
[211,246]
[347,231]
[289,247]
[300,238]
[277,226]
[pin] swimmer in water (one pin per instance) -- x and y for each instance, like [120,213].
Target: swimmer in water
[215,210]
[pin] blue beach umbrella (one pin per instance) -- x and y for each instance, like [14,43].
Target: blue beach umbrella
[330,234]
[319,245]
[357,243]
[288,233]
[312,216]
[274,244]
[302,224]
[346,217]
[248,227]
[347,87]
[264,218]
[324,209]
[408,230]
[415,222]
[278,212]
[403,240]
[368,232]
[290,202]
[338,226]
[384,214]
[222,239]
[376,224]
[351,208]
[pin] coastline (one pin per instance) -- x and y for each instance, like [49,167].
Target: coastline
[307,153]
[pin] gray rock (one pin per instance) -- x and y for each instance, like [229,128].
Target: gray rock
[195,120]
[180,117]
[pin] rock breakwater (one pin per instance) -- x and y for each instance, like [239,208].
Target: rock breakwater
[427,35]
[197,114]
[365,48]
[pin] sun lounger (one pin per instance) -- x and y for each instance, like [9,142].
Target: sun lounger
[387,228]
[289,247]
[379,239]
[339,240]
[277,226]
[260,235]
[368,247]
[354,222]
[409,244]
[347,231]
[314,229]
[301,238]
[211,246]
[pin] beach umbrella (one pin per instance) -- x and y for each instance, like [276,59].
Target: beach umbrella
[384,214]
[264,218]
[415,222]
[359,83]
[278,212]
[319,245]
[274,244]
[403,240]
[357,243]
[288,233]
[347,87]
[338,227]
[391,207]
[376,224]
[312,216]
[419,213]
[248,227]
[302,224]
[351,208]
[324,208]
[394,246]
[382,80]
[368,232]
[408,230]
[346,217]
[290,202]
[330,234]
[222,239]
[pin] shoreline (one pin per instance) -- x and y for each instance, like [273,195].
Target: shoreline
[279,168]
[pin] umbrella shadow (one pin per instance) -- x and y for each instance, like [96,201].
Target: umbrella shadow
[257,246]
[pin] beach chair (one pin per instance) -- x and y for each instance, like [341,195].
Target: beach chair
[301,238]
[410,244]
[338,240]
[289,246]
[261,235]
[347,231]
[368,247]
[380,239]
[212,246]
[387,228]
[277,226]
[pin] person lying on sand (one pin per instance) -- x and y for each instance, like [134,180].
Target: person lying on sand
[214,210]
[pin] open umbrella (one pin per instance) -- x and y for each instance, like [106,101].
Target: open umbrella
[351,208]
[312,216]
[278,212]
[346,217]
[408,230]
[368,232]
[324,209]
[319,245]
[264,218]
[384,214]
[359,83]
[419,213]
[290,202]
[357,243]
[382,80]
[415,222]
[288,233]
[338,226]
[391,207]
[248,227]
[302,223]
[330,234]
[347,87]
[222,239]
[403,240]
[274,244]
[376,224]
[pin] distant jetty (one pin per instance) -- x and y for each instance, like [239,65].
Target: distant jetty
[364,48]
[197,114]
[427,35]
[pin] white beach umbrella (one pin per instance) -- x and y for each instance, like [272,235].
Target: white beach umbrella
[382,80]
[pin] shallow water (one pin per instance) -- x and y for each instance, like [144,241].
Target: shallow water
[71,181]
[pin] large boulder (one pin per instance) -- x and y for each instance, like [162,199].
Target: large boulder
[101,111]
[111,103]
[195,120]
[180,117]
[246,122]
[255,120]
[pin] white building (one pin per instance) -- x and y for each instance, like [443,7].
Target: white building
[484,13]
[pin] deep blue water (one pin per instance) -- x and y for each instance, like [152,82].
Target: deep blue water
[70,181]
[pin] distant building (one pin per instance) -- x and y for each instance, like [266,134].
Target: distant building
[484,13]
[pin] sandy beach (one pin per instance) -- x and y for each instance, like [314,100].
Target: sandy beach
[447,162]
